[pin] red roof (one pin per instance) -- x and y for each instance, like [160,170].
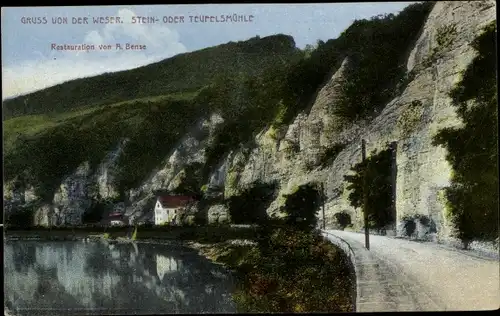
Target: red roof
[171,201]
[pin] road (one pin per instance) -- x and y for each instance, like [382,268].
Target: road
[452,279]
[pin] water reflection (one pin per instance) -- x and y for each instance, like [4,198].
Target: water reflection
[65,278]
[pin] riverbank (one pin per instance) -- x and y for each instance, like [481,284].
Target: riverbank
[204,234]
[289,271]
[279,269]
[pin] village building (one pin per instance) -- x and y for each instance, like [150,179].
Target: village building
[117,219]
[170,208]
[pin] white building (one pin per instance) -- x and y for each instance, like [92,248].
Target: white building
[169,208]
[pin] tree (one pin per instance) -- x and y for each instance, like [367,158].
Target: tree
[343,219]
[250,206]
[377,170]
[302,206]
[191,180]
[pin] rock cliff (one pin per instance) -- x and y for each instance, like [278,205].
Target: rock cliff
[410,119]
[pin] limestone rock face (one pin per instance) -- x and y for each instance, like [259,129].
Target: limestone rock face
[72,198]
[77,191]
[189,150]
[106,176]
[411,119]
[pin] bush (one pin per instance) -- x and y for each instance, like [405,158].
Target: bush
[328,155]
[19,218]
[296,271]
[409,225]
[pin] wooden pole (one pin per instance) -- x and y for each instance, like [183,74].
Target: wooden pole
[394,171]
[365,195]
[323,198]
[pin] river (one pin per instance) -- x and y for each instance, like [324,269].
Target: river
[95,278]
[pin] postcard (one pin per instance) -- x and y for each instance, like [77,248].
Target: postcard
[249,158]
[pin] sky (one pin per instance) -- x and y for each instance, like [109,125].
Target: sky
[30,63]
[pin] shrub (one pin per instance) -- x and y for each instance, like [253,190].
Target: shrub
[296,271]
[445,35]
[410,118]
[409,225]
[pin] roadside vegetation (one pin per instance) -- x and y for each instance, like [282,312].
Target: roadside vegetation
[289,267]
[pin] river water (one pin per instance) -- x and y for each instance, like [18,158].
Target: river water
[95,278]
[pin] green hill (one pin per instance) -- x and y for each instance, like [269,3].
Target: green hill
[183,72]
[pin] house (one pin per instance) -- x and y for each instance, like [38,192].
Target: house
[117,219]
[169,208]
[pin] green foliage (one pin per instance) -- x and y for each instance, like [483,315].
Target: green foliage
[296,271]
[411,117]
[375,173]
[153,140]
[304,77]
[343,219]
[473,148]
[19,217]
[302,206]
[377,49]
[191,180]
[95,212]
[248,106]
[410,223]
[446,35]
[204,188]
[183,72]
[134,235]
[329,154]
[249,207]
[152,127]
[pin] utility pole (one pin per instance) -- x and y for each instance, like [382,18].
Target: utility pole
[394,172]
[365,195]
[323,198]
